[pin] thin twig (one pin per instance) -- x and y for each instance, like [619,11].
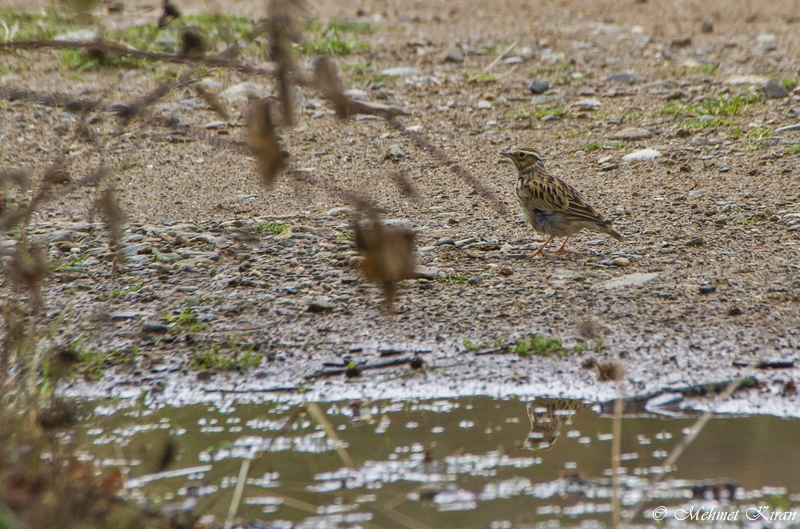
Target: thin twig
[116,49]
[683,445]
[237,493]
[498,59]
[316,412]
[616,448]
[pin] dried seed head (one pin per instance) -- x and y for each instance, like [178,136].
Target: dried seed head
[169,14]
[192,41]
[264,140]
[57,173]
[213,101]
[113,215]
[328,82]
[388,253]
[28,269]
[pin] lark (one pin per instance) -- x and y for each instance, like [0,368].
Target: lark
[552,206]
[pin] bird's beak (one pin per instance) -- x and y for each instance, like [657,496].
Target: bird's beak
[506,154]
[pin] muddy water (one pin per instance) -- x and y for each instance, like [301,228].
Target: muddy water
[460,463]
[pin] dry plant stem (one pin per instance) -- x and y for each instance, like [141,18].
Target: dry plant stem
[113,48]
[676,452]
[237,492]
[616,448]
[498,59]
[316,412]
[426,145]
[402,519]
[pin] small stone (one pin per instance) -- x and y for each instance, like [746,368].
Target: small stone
[632,134]
[699,141]
[695,241]
[707,26]
[630,280]
[320,304]
[587,104]
[609,167]
[401,71]
[681,43]
[537,86]
[426,272]
[484,105]
[215,125]
[394,153]
[445,241]
[644,154]
[243,92]
[774,90]
[336,212]
[453,53]
[474,280]
[705,288]
[620,262]
[624,77]
[155,327]
[735,311]
[768,40]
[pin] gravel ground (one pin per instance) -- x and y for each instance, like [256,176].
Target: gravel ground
[708,278]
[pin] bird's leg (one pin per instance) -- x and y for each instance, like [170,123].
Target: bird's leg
[541,248]
[563,247]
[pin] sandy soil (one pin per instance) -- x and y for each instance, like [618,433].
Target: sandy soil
[730,295]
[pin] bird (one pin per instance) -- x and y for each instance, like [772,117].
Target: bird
[552,206]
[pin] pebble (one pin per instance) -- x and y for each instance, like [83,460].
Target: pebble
[707,26]
[320,304]
[484,105]
[699,141]
[620,262]
[243,92]
[587,104]
[537,86]
[630,280]
[695,241]
[453,53]
[705,288]
[401,71]
[394,153]
[631,134]
[215,125]
[644,154]
[624,77]
[774,90]
[445,241]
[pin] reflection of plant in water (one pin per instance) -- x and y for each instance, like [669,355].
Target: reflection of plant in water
[547,416]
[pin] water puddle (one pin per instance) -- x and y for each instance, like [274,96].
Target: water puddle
[458,463]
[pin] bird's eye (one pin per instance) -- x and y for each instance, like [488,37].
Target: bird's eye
[521,155]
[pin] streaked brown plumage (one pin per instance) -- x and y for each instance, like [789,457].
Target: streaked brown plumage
[552,206]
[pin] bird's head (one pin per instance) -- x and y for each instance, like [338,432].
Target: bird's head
[524,157]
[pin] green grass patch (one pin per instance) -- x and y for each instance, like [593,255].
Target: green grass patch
[272,227]
[543,111]
[516,114]
[215,359]
[536,344]
[790,83]
[122,292]
[72,265]
[92,365]
[454,279]
[591,147]
[335,38]
[701,124]
[186,320]
[33,25]
[349,26]
[346,237]
[794,149]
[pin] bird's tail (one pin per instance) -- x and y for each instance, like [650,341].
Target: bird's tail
[611,231]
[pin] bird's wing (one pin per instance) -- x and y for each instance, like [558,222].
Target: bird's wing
[548,193]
